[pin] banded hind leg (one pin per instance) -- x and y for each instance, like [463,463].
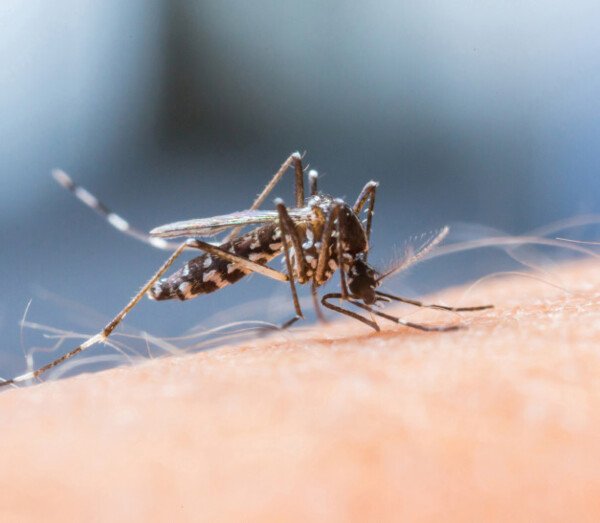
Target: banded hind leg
[324,256]
[148,286]
[384,296]
[288,229]
[113,219]
[294,159]
[323,262]
[122,225]
[418,326]
[108,329]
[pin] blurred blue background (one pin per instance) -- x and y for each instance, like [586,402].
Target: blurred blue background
[484,112]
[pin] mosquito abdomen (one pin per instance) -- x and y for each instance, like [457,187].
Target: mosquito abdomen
[208,273]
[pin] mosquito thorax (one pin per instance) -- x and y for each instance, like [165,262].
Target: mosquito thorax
[362,281]
[353,234]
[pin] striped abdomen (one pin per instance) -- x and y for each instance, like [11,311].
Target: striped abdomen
[208,273]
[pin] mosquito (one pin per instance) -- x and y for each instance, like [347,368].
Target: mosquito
[319,236]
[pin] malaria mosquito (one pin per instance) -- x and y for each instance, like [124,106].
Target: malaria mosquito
[319,236]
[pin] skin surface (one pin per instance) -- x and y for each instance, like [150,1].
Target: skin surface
[497,422]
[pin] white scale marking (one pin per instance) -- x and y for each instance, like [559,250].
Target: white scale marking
[213,276]
[116,221]
[62,177]
[159,242]
[186,289]
[86,197]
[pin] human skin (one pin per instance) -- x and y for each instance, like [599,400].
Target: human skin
[497,422]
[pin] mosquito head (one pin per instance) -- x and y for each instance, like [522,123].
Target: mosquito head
[362,281]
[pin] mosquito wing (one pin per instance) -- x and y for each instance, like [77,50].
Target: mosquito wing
[414,255]
[216,224]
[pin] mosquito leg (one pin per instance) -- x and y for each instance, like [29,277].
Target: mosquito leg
[294,159]
[316,304]
[317,227]
[246,264]
[313,177]
[299,181]
[340,262]
[289,227]
[108,329]
[243,263]
[113,219]
[289,323]
[419,326]
[284,226]
[318,223]
[417,303]
[368,193]
[346,312]
[324,254]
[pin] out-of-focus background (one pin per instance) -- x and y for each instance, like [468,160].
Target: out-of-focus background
[464,111]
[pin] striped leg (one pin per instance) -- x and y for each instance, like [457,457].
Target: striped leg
[113,219]
[418,326]
[108,329]
[294,159]
[288,228]
[123,225]
[372,324]
[389,297]
[346,312]
[317,306]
